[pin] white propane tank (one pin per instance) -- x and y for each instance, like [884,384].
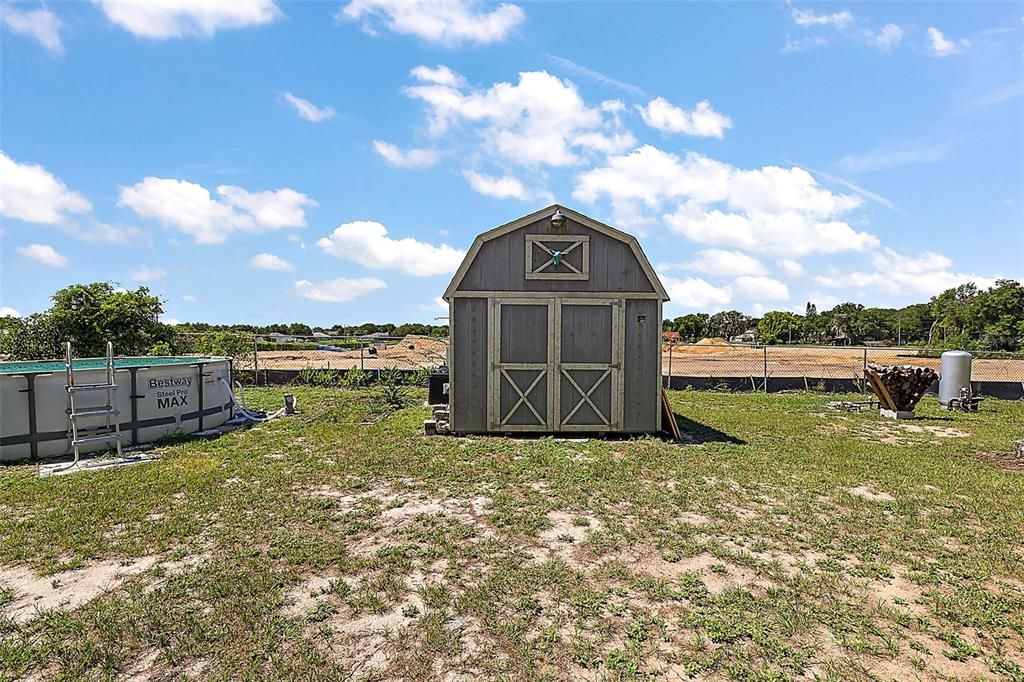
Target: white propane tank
[955,371]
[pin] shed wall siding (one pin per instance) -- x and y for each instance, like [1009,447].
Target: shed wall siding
[469,358]
[501,264]
[641,370]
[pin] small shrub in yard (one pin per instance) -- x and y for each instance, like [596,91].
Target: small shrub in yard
[418,378]
[324,378]
[389,387]
[355,378]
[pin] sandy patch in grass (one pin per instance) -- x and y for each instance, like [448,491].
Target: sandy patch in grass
[300,600]
[791,563]
[865,492]
[66,590]
[717,575]
[142,670]
[362,641]
[693,519]
[903,433]
[398,509]
[896,592]
[562,538]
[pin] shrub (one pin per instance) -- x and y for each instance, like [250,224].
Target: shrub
[389,387]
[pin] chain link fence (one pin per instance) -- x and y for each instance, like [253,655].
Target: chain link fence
[281,358]
[774,368]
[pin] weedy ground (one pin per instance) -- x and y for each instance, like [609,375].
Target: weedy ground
[783,541]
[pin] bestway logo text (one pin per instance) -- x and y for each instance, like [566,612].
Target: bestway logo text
[171,382]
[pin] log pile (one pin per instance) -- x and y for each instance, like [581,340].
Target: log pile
[900,387]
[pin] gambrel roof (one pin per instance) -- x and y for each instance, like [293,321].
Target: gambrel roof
[575,216]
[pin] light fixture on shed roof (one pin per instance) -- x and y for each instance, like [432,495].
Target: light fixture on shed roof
[558,219]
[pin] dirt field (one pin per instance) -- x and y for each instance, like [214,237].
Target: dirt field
[698,360]
[412,352]
[725,360]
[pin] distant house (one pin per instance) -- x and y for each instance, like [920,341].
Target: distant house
[671,337]
[321,335]
[374,336]
[749,336]
[278,337]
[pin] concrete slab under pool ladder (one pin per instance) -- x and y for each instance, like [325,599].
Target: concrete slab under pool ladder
[94,464]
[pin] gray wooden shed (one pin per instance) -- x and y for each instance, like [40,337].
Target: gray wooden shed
[555,326]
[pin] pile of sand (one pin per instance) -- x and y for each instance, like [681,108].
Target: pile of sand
[714,341]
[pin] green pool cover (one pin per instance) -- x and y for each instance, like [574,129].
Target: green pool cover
[33,366]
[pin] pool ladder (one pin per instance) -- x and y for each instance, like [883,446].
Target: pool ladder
[110,430]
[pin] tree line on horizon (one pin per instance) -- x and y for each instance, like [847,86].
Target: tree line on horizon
[962,317]
[89,315]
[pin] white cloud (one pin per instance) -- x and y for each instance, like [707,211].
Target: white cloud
[41,24]
[541,120]
[43,255]
[32,194]
[436,306]
[147,274]
[338,290]
[98,232]
[598,77]
[367,242]
[762,288]
[189,298]
[771,210]
[883,39]
[696,293]
[925,275]
[408,158]
[806,18]
[448,23]
[306,109]
[190,208]
[886,38]
[7,311]
[505,187]
[940,46]
[803,44]
[703,121]
[882,158]
[162,19]
[439,75]
[268,261]
[726,263]
[791,268]
[172,321]
[270,209]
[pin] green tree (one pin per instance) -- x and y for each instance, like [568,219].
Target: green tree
[692,327]
[729,323]
[89,315]
[779,326]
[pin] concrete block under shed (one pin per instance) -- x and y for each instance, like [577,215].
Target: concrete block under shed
[897,414]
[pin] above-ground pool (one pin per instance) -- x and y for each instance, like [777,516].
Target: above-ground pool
[156,397]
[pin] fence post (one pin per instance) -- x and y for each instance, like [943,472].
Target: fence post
[255,362]
[766,369]
[864,374]
[670,347]
[361,365]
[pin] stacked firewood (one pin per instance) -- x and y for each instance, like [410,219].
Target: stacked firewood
[905,384]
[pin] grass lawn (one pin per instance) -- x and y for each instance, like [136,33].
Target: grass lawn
[786,541]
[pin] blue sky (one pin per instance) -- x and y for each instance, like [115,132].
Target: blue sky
[331,162]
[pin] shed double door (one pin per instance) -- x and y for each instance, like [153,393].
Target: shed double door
[556,364]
